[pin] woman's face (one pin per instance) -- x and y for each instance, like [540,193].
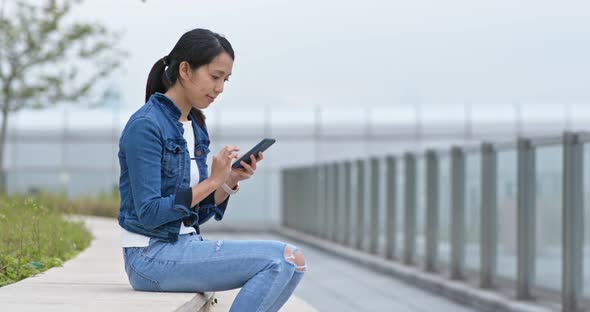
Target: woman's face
[205,83]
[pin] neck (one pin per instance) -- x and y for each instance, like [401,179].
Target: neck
[180,101]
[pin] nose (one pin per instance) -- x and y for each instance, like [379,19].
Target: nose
[219,87]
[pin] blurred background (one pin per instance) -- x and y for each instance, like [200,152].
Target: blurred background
[328,80]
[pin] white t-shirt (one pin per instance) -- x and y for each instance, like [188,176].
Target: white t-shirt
[130,239]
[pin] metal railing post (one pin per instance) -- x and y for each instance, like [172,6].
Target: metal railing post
[525,219]
[489,215]
[328,202]
[374,206]
[338,203]
[291,217]
[285,196]
[299,216]
[410,209]
[432,199]
[314,200]
[293,212]
[573,222]
[295,215]
[335,207]
[346,204]
[390,206]
[321,200]
[308,199]
[457,212]
[360,201]
[297,179]
[304,189]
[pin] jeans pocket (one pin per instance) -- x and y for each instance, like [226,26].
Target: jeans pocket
[141,282]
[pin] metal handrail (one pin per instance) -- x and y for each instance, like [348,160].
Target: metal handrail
[366,173]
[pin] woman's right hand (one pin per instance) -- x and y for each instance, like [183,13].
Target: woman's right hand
[221,164]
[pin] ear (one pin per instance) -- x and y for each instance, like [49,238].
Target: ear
[184,70]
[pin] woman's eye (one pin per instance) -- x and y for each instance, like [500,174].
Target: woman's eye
[217,77]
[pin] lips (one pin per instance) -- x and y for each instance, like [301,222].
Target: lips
[211,98]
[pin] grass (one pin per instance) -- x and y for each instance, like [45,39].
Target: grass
[35,237]
[103,205]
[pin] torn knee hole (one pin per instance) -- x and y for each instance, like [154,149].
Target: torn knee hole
[295,258]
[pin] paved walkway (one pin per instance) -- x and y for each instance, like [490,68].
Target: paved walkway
[96,281]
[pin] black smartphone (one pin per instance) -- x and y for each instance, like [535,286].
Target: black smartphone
[260,147]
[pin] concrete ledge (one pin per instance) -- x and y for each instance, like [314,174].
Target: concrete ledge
[94,281]
[481,299]
[200,302]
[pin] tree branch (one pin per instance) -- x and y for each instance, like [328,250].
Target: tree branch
[40,53]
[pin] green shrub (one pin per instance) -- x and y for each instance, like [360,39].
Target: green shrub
[34,238]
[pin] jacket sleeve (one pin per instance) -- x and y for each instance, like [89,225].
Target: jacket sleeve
[209,209]
[142,146]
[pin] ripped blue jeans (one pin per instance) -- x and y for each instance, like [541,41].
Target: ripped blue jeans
[192,264]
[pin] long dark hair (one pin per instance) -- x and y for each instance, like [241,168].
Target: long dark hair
[197,47]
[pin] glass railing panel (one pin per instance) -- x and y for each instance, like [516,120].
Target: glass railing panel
[400,208]
[586,255]
[93,155]
[420,208]
[444,215]
[472,210]
[33,182]
[507,181]
[548,223]
[37,154]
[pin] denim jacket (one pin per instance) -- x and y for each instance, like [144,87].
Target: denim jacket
[155,172]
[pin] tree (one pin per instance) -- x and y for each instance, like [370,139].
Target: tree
[42,56]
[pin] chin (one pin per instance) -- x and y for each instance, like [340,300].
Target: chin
[201,106]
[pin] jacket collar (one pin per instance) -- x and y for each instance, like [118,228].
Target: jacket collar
[173,111]
[169,107]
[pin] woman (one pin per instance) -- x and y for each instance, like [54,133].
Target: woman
[166,192]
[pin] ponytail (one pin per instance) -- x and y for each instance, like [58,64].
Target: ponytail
[156,81]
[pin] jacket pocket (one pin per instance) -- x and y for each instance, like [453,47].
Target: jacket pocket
[174,153]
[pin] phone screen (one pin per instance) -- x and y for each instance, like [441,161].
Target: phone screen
[260,147]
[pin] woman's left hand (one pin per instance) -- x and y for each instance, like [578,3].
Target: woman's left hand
[240,174]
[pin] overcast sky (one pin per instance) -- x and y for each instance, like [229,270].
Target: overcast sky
[360,53]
